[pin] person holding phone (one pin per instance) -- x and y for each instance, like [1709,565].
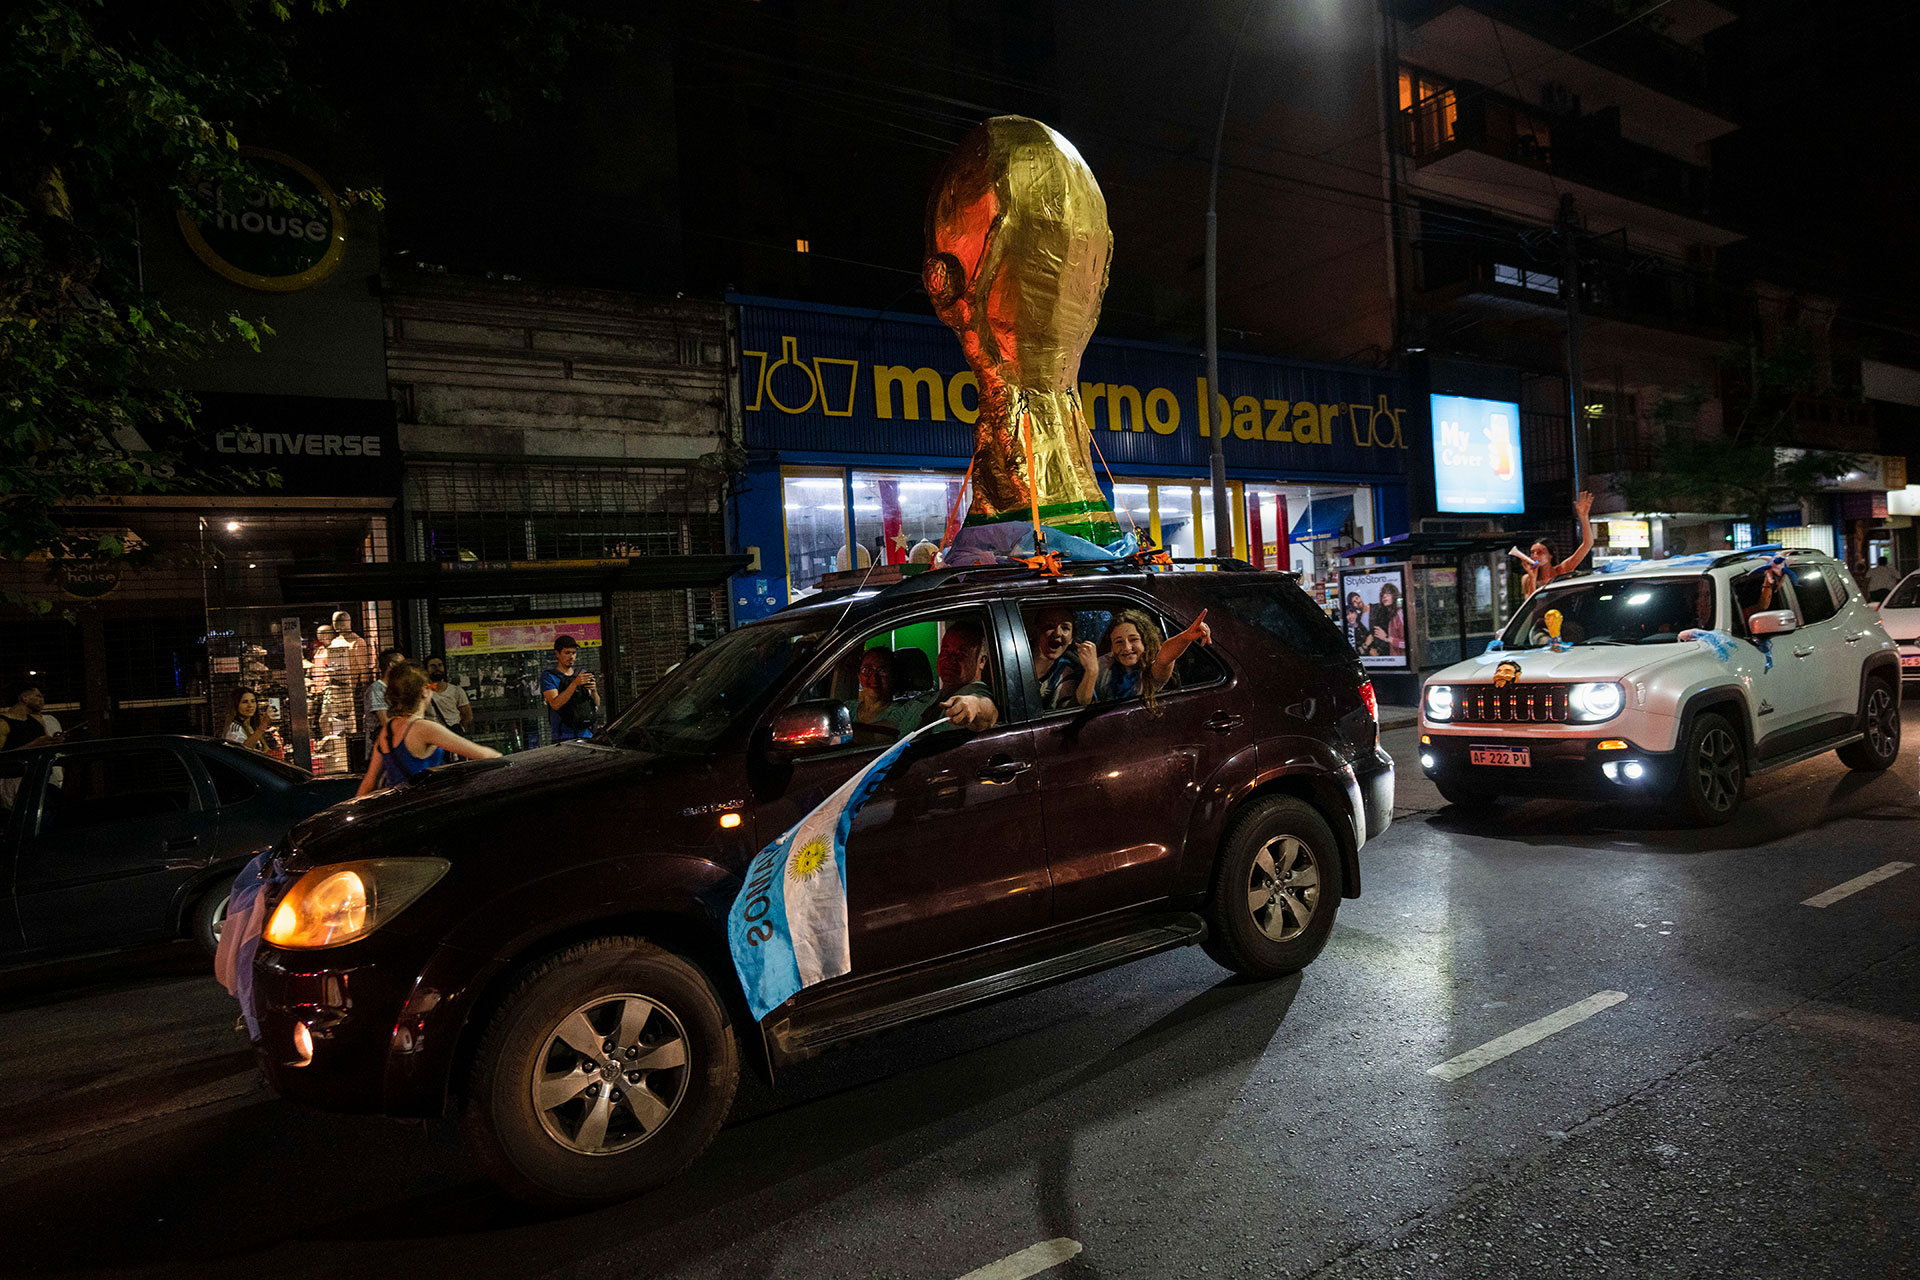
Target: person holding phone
[572,697]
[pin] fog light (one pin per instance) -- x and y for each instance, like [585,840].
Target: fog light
[1612,769]
[1634,770]
[302,1045]
[1426,761]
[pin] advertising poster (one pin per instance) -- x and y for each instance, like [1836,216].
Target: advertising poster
[1376,615]
[1476,456]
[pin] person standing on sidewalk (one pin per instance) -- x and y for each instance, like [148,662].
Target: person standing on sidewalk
[447,702]
[572,696]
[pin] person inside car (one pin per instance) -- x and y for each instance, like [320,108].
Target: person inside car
[1541,566]
[876,688]
[247,727]
[1754,594]
[963,698]
[1064,668]
[1138,663]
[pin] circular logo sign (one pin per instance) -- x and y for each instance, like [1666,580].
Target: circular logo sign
[85,581]
[255,239]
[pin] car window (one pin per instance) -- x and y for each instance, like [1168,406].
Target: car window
[1813,591]
[1610,610]
[13,770]
[1904,596]
[699,700]
[229,784]
[1282,610]
[893,676]
[1062,634]
[110,787]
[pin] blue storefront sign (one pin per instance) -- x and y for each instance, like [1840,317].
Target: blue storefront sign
[829,387]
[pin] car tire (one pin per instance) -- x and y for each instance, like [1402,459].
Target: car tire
[594,1144]
[1466,798]
[1276,888]
[1712,774]
[209,915]
[1880,721]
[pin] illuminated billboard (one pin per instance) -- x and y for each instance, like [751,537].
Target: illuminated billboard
[1476,456]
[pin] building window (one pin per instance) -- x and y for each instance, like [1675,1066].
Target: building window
[1429,112]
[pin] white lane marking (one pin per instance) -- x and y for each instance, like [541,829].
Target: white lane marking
[1030,1261]
[1520,1037]
[1856,884]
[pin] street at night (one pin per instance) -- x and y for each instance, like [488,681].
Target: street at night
[875,640]
[1748,1108]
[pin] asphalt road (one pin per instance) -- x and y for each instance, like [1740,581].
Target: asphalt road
[1741,1096]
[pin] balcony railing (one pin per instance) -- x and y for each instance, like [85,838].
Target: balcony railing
[1587,149]
[1605,35]
[1629,290]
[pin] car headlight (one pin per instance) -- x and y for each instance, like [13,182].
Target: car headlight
[1440,701]
[333,905]
[1592,702]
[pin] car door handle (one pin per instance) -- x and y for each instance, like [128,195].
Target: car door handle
[180,844]
[1003,769]
[1223,722]
[1855,639]
[1803,653]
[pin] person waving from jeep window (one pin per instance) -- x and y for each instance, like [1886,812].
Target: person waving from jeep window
[572,696]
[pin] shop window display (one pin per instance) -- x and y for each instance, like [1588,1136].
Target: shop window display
[816,520]
[893,512]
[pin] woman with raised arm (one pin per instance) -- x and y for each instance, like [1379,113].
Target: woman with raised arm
[408,744]
[1541,568]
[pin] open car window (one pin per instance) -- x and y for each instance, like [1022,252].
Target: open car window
[1060,634]
[890,679]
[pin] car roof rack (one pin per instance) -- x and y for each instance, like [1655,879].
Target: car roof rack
[933,579]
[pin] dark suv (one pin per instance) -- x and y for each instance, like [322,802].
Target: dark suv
[542,938]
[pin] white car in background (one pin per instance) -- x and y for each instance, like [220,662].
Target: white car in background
[1667,682]
[1900,617]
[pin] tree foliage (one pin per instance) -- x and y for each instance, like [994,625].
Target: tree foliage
[1755,465]
[108,112]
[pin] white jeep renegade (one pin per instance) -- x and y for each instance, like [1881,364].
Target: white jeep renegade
[1667,682]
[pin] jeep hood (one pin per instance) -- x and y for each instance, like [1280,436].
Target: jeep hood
[1579,663]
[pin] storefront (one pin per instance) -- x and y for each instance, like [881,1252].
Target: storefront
[859,429]
[163,640]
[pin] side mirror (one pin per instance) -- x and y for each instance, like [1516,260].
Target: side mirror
[1774,622]
[811,726]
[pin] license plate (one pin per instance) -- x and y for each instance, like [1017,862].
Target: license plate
[1910,659]
[1509,757]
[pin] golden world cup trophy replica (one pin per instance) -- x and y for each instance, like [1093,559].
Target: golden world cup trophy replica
[1017,254]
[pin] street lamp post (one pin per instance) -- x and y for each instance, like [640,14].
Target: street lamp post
[1222,516]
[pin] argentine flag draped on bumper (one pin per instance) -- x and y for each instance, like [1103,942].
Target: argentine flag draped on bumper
[788,928]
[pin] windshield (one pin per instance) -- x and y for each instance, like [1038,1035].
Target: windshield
[1605,611]
[1904,596]
[701,698]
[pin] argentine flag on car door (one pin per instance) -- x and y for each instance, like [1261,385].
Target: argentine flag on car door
[788,928]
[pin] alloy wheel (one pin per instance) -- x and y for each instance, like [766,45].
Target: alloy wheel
[611,1074]
[1283,888]
[1717,770]
[1883,729]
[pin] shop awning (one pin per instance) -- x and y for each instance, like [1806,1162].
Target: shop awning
[1325,518]
[488,578]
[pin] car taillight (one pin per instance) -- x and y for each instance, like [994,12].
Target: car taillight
[1372,700]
